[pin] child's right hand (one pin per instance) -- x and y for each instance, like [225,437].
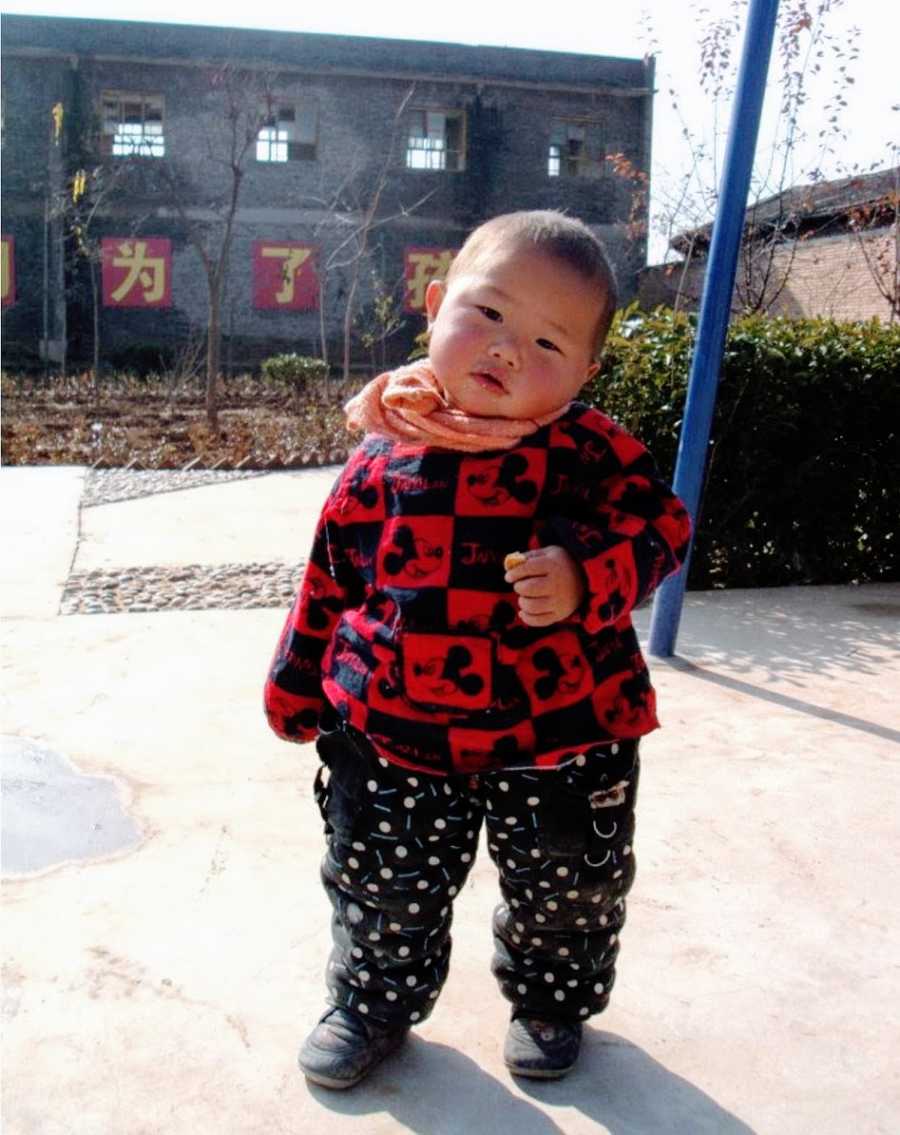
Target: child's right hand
[549,583]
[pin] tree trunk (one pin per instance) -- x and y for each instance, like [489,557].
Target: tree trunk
[323,341]
[348,318]
[213,343]
[95,300]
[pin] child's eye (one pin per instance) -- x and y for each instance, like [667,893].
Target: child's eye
[491,313]
[548,345]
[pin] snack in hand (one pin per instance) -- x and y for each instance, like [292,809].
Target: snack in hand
[513,560]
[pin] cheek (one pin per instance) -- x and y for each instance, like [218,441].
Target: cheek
[453,341]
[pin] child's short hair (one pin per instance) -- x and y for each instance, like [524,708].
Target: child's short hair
[545,230]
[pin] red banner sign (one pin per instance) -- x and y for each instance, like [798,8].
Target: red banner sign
[7,271]
[285,276]
[420,266]
[137,272]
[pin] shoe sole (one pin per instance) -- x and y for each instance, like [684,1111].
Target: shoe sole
[540,1073]
[328,1082]
[337,1085]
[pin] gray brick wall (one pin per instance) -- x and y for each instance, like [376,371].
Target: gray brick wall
[510,100]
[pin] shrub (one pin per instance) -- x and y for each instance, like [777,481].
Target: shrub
[804,467]
[293,370]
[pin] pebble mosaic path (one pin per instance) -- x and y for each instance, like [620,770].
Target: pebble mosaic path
[191,587]
[107,486]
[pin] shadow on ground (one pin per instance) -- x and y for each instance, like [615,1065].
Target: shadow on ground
[435,1090]
[792,636]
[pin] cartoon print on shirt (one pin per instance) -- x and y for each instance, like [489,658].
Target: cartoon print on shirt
[317,618]
[444,676]
[631,703]
[419,573]
[415,556]
[502,616]
[505,750]
[498,484]
[564,672]
[359,493]
[618,582]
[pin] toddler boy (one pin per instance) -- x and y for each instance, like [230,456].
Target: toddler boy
[462,649]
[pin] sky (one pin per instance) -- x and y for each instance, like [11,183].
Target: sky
[671,29]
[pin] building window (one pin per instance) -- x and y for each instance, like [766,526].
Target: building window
[133,125]
[436,140]
[289,133]
[574,151]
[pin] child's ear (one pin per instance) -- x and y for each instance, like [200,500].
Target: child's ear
[591,371]
[434,297]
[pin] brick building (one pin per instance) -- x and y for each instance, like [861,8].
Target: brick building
[827,249]
[125,129]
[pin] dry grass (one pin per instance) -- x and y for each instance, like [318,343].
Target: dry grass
[156,423]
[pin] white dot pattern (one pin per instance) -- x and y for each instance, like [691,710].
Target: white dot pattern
[558,948]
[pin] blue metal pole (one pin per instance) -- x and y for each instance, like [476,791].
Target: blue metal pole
[715,306]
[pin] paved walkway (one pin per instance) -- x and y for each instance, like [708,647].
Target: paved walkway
[164,930]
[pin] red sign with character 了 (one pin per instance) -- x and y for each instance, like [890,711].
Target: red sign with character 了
[285,276]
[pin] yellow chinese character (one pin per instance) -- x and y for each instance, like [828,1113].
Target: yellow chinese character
[149,271]
[5,280]
[426,267]
[294,259]
[57,114]
[79,186]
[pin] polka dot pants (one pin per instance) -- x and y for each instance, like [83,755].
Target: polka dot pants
[401,843]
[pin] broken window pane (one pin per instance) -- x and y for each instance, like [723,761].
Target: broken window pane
[132,125]
[436,140]
[289,134]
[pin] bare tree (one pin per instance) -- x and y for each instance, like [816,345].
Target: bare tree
[353,209]
[241,105]
[88,194]
[875,226]
[382,318]
[805,53]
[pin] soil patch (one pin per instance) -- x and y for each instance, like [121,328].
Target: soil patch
[145,424]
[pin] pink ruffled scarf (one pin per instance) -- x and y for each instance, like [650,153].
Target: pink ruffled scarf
[408,405]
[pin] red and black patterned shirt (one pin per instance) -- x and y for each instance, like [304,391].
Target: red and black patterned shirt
[405,625]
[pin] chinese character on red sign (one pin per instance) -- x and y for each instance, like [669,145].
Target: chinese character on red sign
[420,267]
[8,271]
[285,276]
[137,273]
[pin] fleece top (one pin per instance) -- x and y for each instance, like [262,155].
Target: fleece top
[405,627]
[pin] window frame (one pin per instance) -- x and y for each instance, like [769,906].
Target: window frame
[117,142]
[441,151]
[589,163]
[283,145]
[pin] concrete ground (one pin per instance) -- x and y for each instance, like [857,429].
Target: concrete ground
[164,986]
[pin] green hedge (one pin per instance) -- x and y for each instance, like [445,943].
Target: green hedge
[804,468]
[293,370]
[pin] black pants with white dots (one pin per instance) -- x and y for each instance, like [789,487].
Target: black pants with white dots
[401,843]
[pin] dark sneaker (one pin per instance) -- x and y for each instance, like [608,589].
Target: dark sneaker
[541,1049]
[343,1048]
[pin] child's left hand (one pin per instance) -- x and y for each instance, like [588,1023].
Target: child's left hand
[550,586]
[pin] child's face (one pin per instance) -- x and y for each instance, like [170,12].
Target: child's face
[514,337]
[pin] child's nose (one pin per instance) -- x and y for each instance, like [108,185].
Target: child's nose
[505,348]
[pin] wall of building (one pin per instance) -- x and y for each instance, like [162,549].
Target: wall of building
[508,126]
[832,276]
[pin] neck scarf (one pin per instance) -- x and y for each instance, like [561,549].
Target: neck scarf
[408,405]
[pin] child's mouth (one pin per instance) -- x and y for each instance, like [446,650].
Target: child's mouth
[488,382]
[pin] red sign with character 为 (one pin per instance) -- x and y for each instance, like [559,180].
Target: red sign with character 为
[137,272]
